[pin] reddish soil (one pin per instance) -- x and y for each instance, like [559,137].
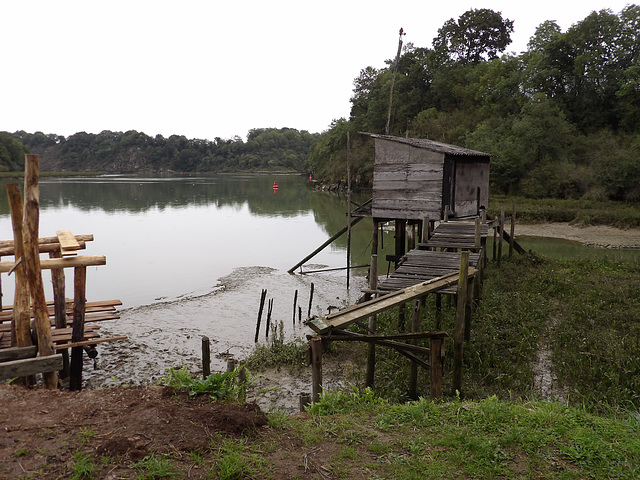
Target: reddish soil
[42,429]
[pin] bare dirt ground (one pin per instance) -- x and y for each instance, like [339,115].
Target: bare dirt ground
[42,429]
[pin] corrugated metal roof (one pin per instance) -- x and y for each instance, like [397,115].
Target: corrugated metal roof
[431,145]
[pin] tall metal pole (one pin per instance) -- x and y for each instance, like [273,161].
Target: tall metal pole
[393,81]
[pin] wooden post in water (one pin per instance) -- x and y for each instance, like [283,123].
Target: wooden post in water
[513,230]
[77,334]
[295,301]
[413,376]
[316,368]
[310,300]
[263,295]
[32,259]
[436,367]
[206,357]
[458,337]
[373,320]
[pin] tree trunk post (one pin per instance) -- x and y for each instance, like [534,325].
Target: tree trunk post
[60,308]
[512,232]
[413,376]
[32,259]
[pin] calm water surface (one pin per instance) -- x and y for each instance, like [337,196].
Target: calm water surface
[189,256]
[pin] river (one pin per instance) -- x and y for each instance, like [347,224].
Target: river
[189,256]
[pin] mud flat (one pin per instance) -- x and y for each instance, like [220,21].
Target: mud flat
[600,236]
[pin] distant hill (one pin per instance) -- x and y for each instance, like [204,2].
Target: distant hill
[266,149]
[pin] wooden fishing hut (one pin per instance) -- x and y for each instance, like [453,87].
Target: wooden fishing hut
[417,183]
[36,335]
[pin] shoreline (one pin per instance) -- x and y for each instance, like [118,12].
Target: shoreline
[599,236]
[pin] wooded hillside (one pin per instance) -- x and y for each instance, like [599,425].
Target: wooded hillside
[561,118]
[271,149]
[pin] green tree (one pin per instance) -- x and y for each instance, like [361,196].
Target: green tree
[12,154]
[478,35]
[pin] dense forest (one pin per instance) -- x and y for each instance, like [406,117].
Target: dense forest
[266,149]
[562,118]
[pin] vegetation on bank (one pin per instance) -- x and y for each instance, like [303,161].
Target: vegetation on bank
[270,149]
[560,119]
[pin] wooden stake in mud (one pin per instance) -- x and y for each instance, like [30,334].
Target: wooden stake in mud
[310,300]
[77,334]
[32,261]
[458,338]
[295,301]
[60,308]
[206,357]
[269,310]
[262,298]
[316,368]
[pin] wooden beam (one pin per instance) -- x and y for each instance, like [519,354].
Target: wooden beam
[48,240]
[50,263]
[17,353]
[30,366]
[357,312]
[93,341]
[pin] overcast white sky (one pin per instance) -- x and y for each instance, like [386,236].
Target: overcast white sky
[207,69]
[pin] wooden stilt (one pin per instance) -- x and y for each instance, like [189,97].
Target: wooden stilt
[373,320]
[263,296]
[310,300]
[513,230]
[501,227]
[413,376]
[436,367]
[458,338]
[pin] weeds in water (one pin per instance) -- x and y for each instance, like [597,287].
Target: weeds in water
[220,386]
[277,352]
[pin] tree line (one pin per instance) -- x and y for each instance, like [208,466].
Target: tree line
[266,149]
[562,119]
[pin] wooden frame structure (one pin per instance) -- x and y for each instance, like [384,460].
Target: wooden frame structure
[18,356]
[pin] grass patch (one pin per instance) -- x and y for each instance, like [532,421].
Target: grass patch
[219,386]
[585,212]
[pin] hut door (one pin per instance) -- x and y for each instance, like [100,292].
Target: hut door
[448,184]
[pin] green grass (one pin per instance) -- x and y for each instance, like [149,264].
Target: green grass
[586,212]
[154,467]
[219,386]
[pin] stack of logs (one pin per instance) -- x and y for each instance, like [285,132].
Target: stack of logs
[30,302]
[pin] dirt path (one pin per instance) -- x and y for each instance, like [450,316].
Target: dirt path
[600,236]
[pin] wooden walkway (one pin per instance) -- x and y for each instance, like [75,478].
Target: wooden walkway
[426,263]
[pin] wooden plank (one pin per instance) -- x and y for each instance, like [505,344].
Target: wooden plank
[17,353]
[90,342]
[360,311]
[31,366]
[68,242]
[47,240]
[49,263]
